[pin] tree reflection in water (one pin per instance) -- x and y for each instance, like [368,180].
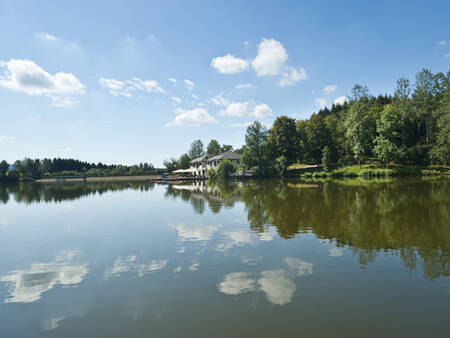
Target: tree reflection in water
[408,218]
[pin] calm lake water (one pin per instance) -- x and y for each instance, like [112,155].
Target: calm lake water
[249,259]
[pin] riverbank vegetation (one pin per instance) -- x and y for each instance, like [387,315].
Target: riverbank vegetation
[399,134]
[29,169]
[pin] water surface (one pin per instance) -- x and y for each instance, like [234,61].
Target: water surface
[247,259]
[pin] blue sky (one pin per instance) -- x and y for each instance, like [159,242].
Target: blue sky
[132,81]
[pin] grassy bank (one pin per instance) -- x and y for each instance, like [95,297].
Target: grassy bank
[370,170]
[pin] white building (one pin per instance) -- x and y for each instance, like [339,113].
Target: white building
[200,165]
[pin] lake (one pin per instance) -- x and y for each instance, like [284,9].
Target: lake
[267,258]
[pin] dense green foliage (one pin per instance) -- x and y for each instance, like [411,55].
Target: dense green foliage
[34,169]
[412,127]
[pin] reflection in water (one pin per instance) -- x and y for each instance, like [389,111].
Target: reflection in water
[52,323]
[26,286]
[54,192]
[196,232]
[236,283]
[129,264]
[408,218]
[278,285]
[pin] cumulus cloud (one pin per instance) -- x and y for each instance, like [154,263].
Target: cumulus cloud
[241,86]
[176,99]
[336,252]
[189,84]
[270,59]
[173,80]
[442,43]
[219,100]
[340,100]
[261,110]
[236,109]
[240,109]
[229,64]
[329,89]
[27,77]
[321,102]
[291,76]
[192,118]
[129,87]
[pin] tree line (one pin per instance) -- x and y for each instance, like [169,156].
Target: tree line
[410,127]
[36,168]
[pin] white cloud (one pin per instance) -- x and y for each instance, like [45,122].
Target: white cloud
[244,86]
[270,59]
[26,76]
[176,99]
[195,97]
[447,55]
[129,87]
[442,43]
[291,76]
[240,109]
[278,286]
[52,323]
[173,80]
[229,64]
[192,118]
[219,100]
[196,232]
[236,283]
[26,286]
[340,100]
[321,102]
[46,37]
[236,109]
[3,138]
[268,235]
[261,110]
[189,84]
[329,89]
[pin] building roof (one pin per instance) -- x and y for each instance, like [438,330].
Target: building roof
[229,155]
[201,158]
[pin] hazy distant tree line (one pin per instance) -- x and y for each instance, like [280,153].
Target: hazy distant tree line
[410,127]
[29,168]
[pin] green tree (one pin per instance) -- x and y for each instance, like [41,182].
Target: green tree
[283,139]
[196,149]
[184,161]
[171,164]
[225,148]
[3,168]
[326,158]
[225,170]
[359,124]
[213,148]
[253,155]
[388,144]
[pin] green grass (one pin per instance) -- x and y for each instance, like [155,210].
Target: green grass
[374,171]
